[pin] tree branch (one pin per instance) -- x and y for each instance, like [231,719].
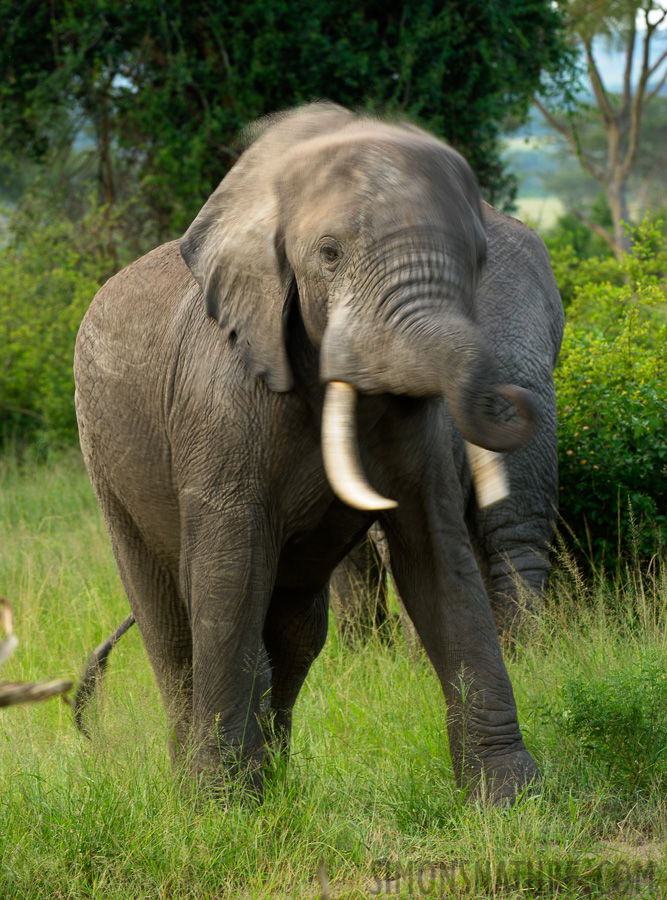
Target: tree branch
[656,90]
[602,98]
[656,65]
[639,99]
[598,229]
[22,412]
[659,21]
[569,136]
[627,74]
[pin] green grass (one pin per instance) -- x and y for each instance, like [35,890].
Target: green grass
[369,788]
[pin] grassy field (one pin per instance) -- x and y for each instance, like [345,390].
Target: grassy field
[369,795]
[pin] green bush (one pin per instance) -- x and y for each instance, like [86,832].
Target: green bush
[48,276]
[620,721]
[611,378]
[611,382]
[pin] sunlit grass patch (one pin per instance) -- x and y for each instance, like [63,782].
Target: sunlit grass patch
[369,788]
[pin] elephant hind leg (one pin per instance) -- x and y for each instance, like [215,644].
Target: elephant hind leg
[294,633]
[359,594]
[161,615]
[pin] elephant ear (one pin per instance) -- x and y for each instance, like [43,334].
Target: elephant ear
[234,247]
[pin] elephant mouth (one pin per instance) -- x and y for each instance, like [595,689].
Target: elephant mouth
[342,464]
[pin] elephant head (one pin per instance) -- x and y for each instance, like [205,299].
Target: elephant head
[375,230]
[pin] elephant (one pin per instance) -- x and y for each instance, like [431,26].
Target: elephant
[520,312]
[240,390]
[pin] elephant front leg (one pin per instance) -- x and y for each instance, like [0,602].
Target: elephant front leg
[228,575]
[231,686]
[442,589]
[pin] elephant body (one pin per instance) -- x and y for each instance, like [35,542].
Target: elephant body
[518,307]
[202,433]
[520,311]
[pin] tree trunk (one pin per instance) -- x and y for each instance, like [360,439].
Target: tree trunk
[617,197]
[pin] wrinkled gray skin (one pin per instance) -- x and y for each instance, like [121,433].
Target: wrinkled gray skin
[336,248]
[519,310]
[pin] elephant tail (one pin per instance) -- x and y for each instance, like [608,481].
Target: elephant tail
[94,672]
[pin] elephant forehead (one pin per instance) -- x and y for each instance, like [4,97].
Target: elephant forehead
[359,206]
[327,212]
[396,155]
[383,183]
[348,169]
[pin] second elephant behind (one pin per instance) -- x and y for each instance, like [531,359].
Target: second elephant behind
[518,307]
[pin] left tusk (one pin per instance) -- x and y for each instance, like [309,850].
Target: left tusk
[489,475]
[340,450]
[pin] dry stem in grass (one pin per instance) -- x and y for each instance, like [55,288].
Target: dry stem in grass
[12,692]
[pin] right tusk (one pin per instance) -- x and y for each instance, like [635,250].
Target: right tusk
[488,475]
[340,450]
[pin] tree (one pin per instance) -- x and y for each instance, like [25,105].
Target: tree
[148,95]
[613,162]
[647,190]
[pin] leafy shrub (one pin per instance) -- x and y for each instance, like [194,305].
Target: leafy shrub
[620,721]
[612,404]
[48,277]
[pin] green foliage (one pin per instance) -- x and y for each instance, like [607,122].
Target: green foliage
[160,91]
[611,382]
[619,719]
[48,276]
[571,244]
[136,107]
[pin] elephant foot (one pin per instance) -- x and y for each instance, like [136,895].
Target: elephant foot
[503,780]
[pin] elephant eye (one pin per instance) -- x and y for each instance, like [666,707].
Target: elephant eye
[330,253]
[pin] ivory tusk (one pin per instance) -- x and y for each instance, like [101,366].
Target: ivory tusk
[340,450]
[489,475]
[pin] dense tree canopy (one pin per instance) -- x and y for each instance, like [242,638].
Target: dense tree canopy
[147,95]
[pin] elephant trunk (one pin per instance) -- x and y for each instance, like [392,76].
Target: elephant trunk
[425,357]
[498,417]
[515,539]
[412,334]
[515,581]
[472,404]
[477,409]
